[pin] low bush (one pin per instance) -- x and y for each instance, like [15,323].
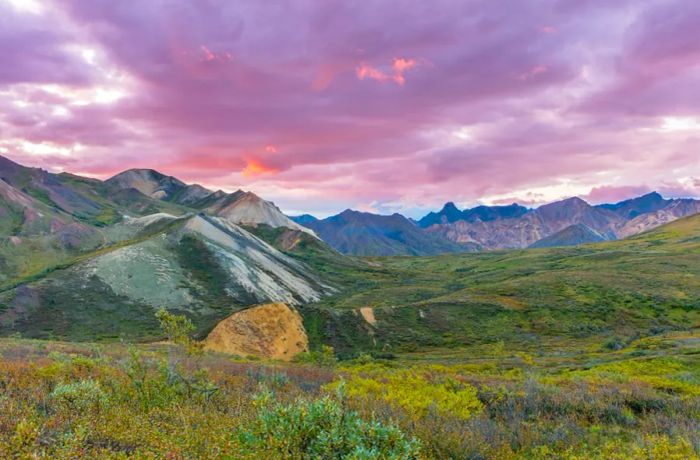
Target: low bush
[78,398]
[323,428]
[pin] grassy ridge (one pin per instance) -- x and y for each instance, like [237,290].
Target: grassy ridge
[640,286]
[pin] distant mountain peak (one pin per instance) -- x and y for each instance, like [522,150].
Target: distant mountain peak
[449,206]
[652,195]
[574,200]
[633,207]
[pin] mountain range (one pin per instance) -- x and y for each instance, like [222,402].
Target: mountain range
[365,234]
[503,227]
[567,222]
[71,209]
[85,259]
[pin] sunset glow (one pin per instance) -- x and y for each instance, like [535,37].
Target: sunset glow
[322,106]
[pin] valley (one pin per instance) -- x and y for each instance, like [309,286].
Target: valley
[142,297]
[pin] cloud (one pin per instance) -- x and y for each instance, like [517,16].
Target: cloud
[358,102]
[255,167]
[398,67]
[615,194]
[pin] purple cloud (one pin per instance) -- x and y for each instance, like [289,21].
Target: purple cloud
[368,104]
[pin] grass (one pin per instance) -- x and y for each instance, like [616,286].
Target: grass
[594,293]
[69,400]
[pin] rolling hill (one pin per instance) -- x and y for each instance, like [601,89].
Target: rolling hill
[643,285]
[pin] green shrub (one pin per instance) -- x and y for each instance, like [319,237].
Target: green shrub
[178,329]
[415,394]
[79,397]
[322,429]
[325,357]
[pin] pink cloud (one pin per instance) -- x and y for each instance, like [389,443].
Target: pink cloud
[364,70]
[615,194]
[360,102]
[399,67]
[533,72]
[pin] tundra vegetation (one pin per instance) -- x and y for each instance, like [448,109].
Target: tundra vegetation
[637,399]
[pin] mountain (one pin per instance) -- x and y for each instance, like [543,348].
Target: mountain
[517,227]
[673,210]
[240,207]
[23,219]
[572,235]
[246,208]
[52,221]
[159,186]
[449,214]
[561,214]
[85,260]
[304,219]
[200,265]
[50,190]
[487,213]
[526,227]
[361,233]
[629,209]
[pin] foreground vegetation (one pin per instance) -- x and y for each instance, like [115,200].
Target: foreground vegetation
[67,400]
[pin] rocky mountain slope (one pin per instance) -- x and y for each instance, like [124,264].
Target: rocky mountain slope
[200,265]
[247,208]
[159,186]
[674,209]
[360,233]
[84,258]
[572,235]
[503,227]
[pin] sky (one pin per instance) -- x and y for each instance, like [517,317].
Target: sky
[382,106]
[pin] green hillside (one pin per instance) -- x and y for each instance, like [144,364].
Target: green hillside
[598,293]
[201,266]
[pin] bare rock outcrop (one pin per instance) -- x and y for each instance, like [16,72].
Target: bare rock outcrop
[273,331]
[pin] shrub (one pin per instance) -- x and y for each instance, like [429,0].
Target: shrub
[325,357]
[614,344]
[416,395]
[178,329]
[322,429]
[79,397]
